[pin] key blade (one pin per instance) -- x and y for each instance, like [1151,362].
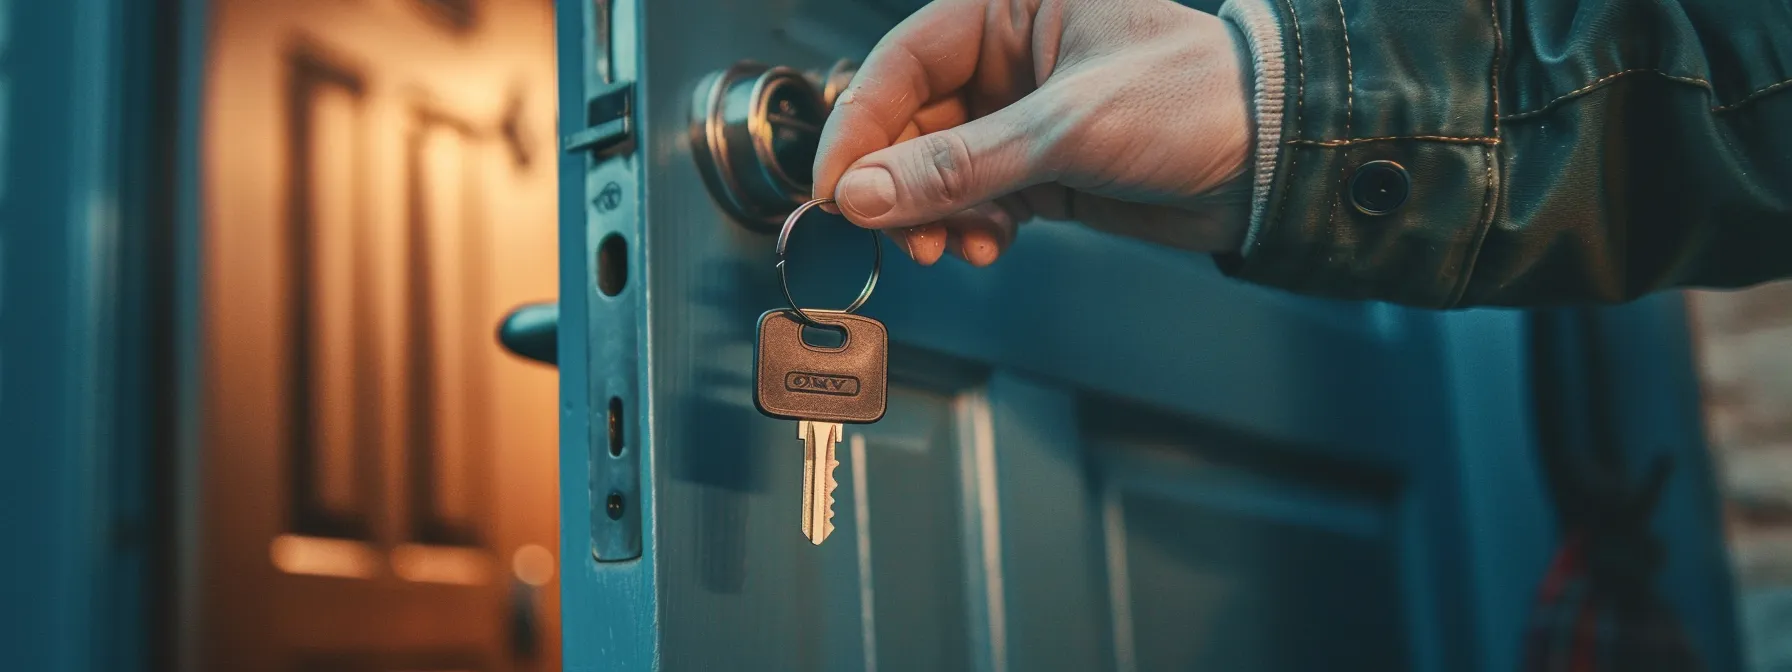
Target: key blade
[818,497]
[819,439]
[814,439]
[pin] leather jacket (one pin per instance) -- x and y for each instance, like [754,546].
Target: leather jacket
[1453,153]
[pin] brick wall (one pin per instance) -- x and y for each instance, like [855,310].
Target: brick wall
[1744,342]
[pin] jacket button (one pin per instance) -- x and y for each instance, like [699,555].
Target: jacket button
[1379,187]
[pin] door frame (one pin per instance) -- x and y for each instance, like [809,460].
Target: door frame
[97,286]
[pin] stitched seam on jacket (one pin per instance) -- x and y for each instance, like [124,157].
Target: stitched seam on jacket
[1300,67]
[1349,102]
[1753,96]
[1602,81]
[1300,98]
[1489,154]
[1345,142]
[1349,70]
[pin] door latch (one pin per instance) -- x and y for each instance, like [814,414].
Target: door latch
[609,121]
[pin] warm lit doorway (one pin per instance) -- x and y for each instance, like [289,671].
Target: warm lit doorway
[378,475]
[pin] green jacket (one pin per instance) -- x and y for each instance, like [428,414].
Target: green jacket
[1542,151]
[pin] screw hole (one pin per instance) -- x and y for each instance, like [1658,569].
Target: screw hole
[612,264]
[615,427]
[614,506]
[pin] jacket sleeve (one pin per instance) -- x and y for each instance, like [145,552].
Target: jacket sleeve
[1454,153]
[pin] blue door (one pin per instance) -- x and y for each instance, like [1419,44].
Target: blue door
[1098,454]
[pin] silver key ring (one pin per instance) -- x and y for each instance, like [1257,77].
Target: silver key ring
[877,264]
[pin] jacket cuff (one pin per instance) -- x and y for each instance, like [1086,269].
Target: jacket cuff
[1376,169]
[1262,36]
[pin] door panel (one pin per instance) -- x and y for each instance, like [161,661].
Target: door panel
[1216,563]
[1194,547]
[898,485]
[376,193]
[1082,306]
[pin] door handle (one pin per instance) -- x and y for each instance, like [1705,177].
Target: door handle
[532,331]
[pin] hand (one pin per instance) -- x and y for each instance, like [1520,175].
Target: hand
[972,116]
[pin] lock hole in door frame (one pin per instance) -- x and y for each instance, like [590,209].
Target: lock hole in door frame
[612,264]
[615,426]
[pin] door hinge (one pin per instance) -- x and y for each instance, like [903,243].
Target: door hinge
[609,122]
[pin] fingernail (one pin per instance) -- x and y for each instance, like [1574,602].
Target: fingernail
[980,252]
[868,192]
[908,242]
[921,238]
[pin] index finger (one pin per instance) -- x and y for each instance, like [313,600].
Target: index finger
[930,54]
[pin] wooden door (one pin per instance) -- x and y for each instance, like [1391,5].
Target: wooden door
[378,187]
[1099,454]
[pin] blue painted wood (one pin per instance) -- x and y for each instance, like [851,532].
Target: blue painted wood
[609,610]
[1055,575]
[1100,454]
[1654,388]
[1507,530]
[86,121]
[41,314]
[183,501]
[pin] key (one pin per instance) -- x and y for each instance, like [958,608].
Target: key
[821,388]
[819,439]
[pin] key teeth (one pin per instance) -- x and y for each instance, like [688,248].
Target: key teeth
[832,464]
[827,524]
[824,438]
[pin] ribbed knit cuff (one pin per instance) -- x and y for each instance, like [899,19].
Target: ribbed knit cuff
[1263,36]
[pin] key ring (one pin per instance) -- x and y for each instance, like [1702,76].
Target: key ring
[877,264]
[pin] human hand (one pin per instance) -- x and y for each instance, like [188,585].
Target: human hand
[972,116]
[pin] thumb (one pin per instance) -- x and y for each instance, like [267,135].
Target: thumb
[933,176]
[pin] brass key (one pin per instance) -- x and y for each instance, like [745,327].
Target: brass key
[821,387]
